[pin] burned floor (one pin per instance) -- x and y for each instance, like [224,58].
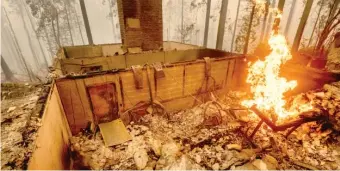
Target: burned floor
[217,135]
[21,111]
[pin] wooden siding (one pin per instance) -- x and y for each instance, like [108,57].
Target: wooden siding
[176,90]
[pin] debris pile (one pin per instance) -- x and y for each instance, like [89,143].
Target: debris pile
[326,101]
[213,136]
[20,119]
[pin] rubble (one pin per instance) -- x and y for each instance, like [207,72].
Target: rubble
[188,140]
[234,147]
[20,119]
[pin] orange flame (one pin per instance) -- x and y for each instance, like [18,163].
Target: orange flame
[266,85]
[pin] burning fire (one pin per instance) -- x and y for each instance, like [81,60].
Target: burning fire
[266,85]
[263,76]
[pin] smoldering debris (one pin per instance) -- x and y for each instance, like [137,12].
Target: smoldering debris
[214,136]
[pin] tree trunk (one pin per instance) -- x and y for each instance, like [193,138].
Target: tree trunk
[269,24]
[16,51]
[276,26]
[56,37]
[221,24]
[245,48]
[8,73]
[235,25]
[316,22]
[79,26]
[86,22]
[48,42]
[207,19]
[35,56]
[169,27]
[36,34]
[329,27]
[302,24]
[58,30]
[12,49]
[182,24]
[112,19]
[68,24]
[290,16]
[29,72]
[196,31]
[263,27]
[333,10]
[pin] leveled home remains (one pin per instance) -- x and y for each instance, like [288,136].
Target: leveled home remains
[149,104]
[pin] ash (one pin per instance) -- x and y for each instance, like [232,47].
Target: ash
[21,111]
[214,136]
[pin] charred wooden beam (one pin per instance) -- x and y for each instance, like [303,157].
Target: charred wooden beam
[256,129]
[304,118]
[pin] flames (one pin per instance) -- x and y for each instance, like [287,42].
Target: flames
[263,76]
[266,84]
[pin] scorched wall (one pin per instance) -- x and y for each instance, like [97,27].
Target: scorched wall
[175,91]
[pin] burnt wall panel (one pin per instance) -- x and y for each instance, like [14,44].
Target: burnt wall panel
[171,86]
[73,105]
[52,143]
[182,82]
[104,102]
[239,75]
[132,95]
[218,73]
[230,73]
[195,80]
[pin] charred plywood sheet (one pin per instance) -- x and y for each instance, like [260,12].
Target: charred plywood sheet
[114,132]
[106,79]
[104,102]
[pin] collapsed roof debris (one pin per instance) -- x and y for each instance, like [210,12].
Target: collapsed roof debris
[212,136]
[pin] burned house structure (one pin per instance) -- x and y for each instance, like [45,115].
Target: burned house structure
[104,88]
